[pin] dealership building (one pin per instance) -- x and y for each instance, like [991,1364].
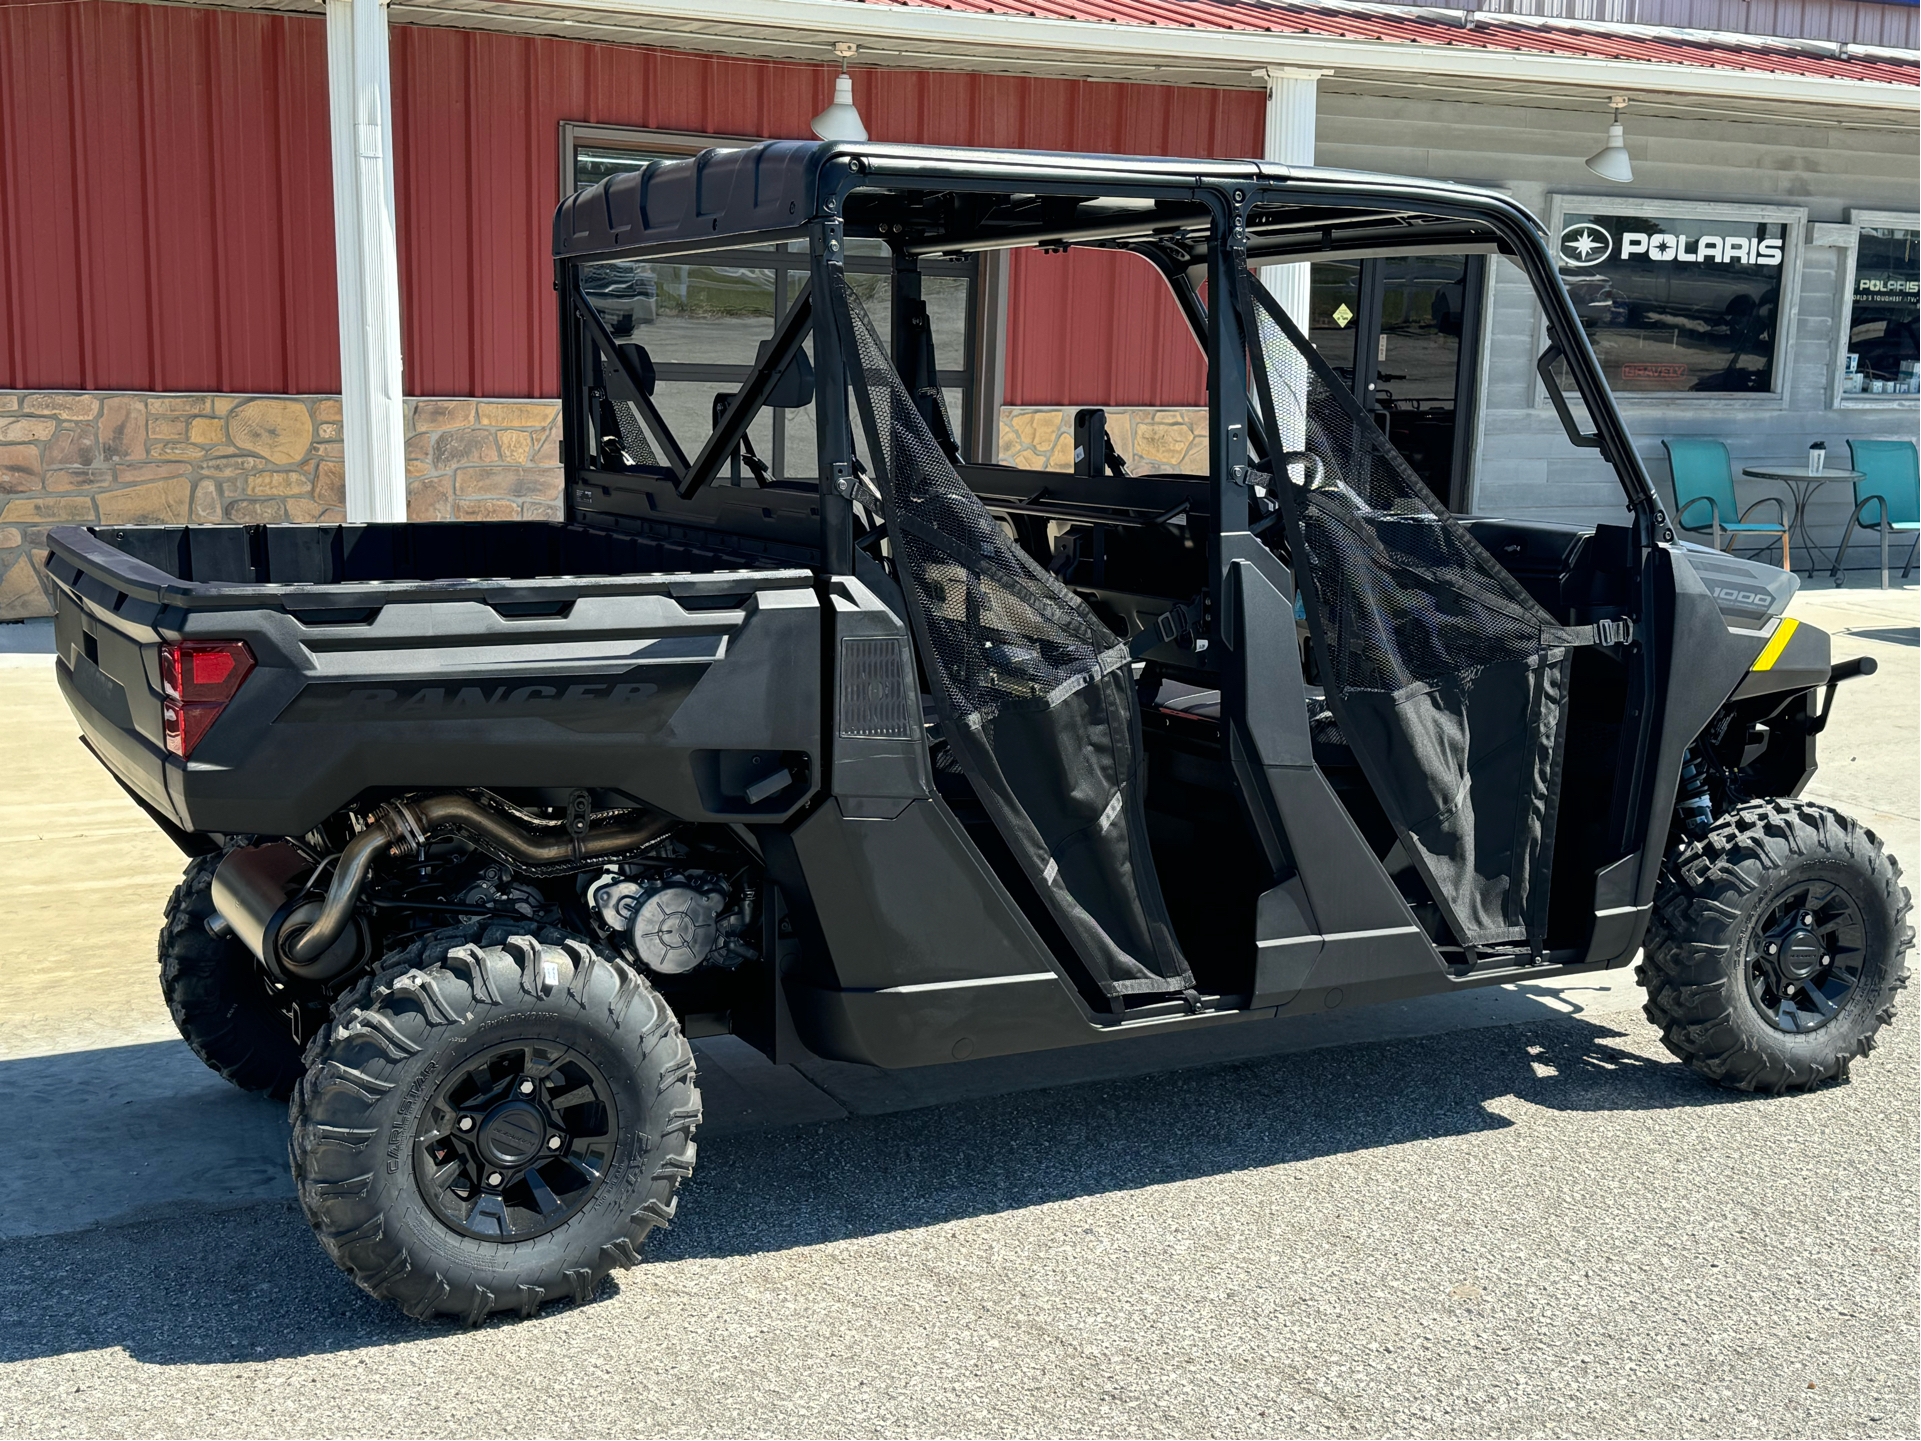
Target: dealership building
[211,215]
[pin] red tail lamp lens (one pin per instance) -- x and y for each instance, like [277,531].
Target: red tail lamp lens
[197,679]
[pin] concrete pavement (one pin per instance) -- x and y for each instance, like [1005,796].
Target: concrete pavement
[1500,1212]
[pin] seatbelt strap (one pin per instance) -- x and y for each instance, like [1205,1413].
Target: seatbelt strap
[1183,625]
[1602,632]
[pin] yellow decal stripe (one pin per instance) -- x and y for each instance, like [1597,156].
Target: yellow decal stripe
[1782,635]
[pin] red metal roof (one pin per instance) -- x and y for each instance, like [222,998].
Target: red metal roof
[1380,23]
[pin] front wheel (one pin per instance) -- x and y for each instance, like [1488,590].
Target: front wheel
[1778,943]
[493,1120]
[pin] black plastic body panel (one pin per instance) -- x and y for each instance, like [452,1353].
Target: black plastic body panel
[927,1025]
[1705,660]
[1804,663]
[907,900]
[680,689]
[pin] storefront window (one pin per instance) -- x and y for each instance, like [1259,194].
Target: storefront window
[1678,303]
[1882,355]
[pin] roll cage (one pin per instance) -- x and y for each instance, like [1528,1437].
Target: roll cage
[1200,224]
[1191,221]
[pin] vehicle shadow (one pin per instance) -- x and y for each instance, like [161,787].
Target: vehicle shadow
[773,1190]
[205,1285]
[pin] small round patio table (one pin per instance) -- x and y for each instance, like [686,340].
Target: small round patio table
[1804,483]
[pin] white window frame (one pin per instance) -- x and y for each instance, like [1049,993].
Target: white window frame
[1844,312]
[1792,219]
[575,134]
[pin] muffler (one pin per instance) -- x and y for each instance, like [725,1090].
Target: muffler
[257,891]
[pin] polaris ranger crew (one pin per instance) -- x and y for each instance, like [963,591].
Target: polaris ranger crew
[892,755]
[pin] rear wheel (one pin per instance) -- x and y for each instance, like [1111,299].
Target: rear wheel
[493,1120]
[220,998]
[1778,943]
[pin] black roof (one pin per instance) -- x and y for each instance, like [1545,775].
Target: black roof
[775,187]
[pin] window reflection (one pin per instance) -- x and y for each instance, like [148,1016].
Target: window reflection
[1675,304]
[1334,308]
[1885,314]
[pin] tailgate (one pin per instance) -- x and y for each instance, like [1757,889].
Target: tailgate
[103,668]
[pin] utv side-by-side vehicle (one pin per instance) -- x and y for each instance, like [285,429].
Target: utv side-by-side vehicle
[890,754]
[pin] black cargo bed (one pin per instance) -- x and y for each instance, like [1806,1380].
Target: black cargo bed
[213,566]
[388,657]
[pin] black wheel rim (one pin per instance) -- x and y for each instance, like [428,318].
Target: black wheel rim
[1805,957]
[517,1141]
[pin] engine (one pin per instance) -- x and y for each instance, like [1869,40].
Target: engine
[675,920]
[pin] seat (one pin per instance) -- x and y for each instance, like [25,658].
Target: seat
[1891,484]
[1330,746]
[1704,477]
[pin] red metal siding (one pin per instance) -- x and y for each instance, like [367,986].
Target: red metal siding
[477,118]
[166,197]
[1095,328]
[163,227]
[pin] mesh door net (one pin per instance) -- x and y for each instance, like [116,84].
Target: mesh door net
[1447,678]
[633,434]
[1033,692]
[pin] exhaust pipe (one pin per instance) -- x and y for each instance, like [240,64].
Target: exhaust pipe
[319,940]
[256,891]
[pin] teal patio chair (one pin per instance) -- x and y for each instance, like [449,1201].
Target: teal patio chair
[1891,484]
[1704,496]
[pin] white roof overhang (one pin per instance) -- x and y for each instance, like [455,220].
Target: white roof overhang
[927,38]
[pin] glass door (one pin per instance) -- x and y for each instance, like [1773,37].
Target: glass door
[1404,333]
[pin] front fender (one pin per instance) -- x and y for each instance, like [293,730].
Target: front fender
[1797,656]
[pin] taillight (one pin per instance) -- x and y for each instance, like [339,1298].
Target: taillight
[197,679]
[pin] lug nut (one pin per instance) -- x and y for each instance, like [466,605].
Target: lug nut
[526,1088]
[1808,919]
[493,1178]
[553,1143]
[1773,949]
[466,1123]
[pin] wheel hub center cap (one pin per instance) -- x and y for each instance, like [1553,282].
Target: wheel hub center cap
[1802,954]
[513,1134]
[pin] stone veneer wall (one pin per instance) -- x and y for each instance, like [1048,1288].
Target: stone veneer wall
[72,458]
[1042,438]
[86,458]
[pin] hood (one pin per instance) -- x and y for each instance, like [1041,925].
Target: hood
[1749,593]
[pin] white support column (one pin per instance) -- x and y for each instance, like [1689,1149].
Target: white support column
[366,260]
[1289,139]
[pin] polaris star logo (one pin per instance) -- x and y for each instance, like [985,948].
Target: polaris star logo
[1585,244]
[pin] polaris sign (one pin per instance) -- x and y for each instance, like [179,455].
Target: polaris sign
[1733,249]
[1679,302]
[1590,242]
